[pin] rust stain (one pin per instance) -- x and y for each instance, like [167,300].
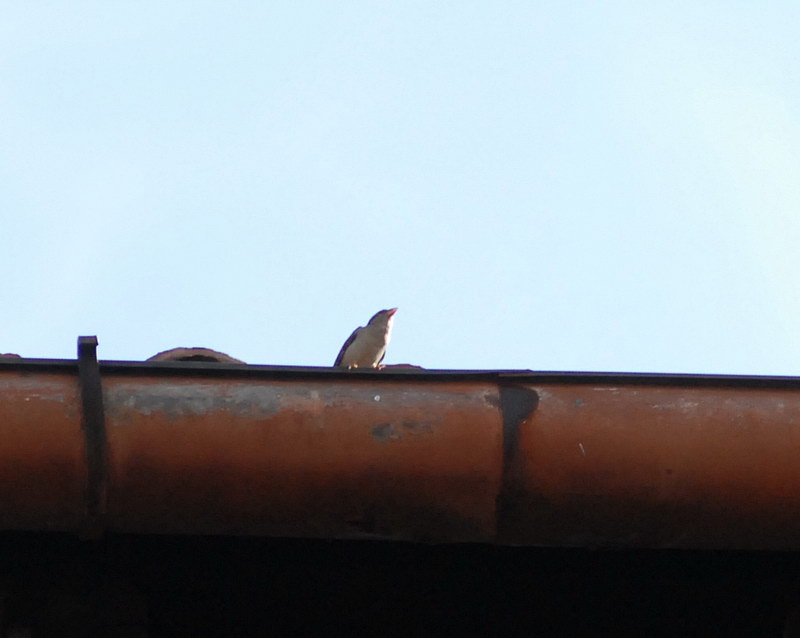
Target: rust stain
[179,400]
[393,431]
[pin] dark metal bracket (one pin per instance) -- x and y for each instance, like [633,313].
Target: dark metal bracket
[94,430]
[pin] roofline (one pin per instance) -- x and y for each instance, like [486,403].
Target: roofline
[217,370]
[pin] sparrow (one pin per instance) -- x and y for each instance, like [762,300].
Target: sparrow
[366,347]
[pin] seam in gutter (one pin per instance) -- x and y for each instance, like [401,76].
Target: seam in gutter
[94,430]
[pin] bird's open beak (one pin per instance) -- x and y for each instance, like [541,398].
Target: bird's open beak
[391,312]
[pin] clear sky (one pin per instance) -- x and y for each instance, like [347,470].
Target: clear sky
[546,185]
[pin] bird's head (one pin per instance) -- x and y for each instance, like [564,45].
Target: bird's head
[383,317]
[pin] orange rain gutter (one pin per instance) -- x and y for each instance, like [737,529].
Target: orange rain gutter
[519,458]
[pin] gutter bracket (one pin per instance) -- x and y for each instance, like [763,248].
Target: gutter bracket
[94,430]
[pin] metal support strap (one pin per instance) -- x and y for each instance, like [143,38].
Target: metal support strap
[94,429]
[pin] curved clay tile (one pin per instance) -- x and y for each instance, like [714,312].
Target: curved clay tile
[194,354]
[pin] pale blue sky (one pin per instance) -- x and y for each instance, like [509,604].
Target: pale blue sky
[546,185]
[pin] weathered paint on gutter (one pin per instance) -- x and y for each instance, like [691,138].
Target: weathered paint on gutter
[549,459]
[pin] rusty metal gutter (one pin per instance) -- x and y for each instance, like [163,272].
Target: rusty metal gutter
[505,457]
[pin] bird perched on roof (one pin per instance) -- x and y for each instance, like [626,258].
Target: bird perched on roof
[366,347]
